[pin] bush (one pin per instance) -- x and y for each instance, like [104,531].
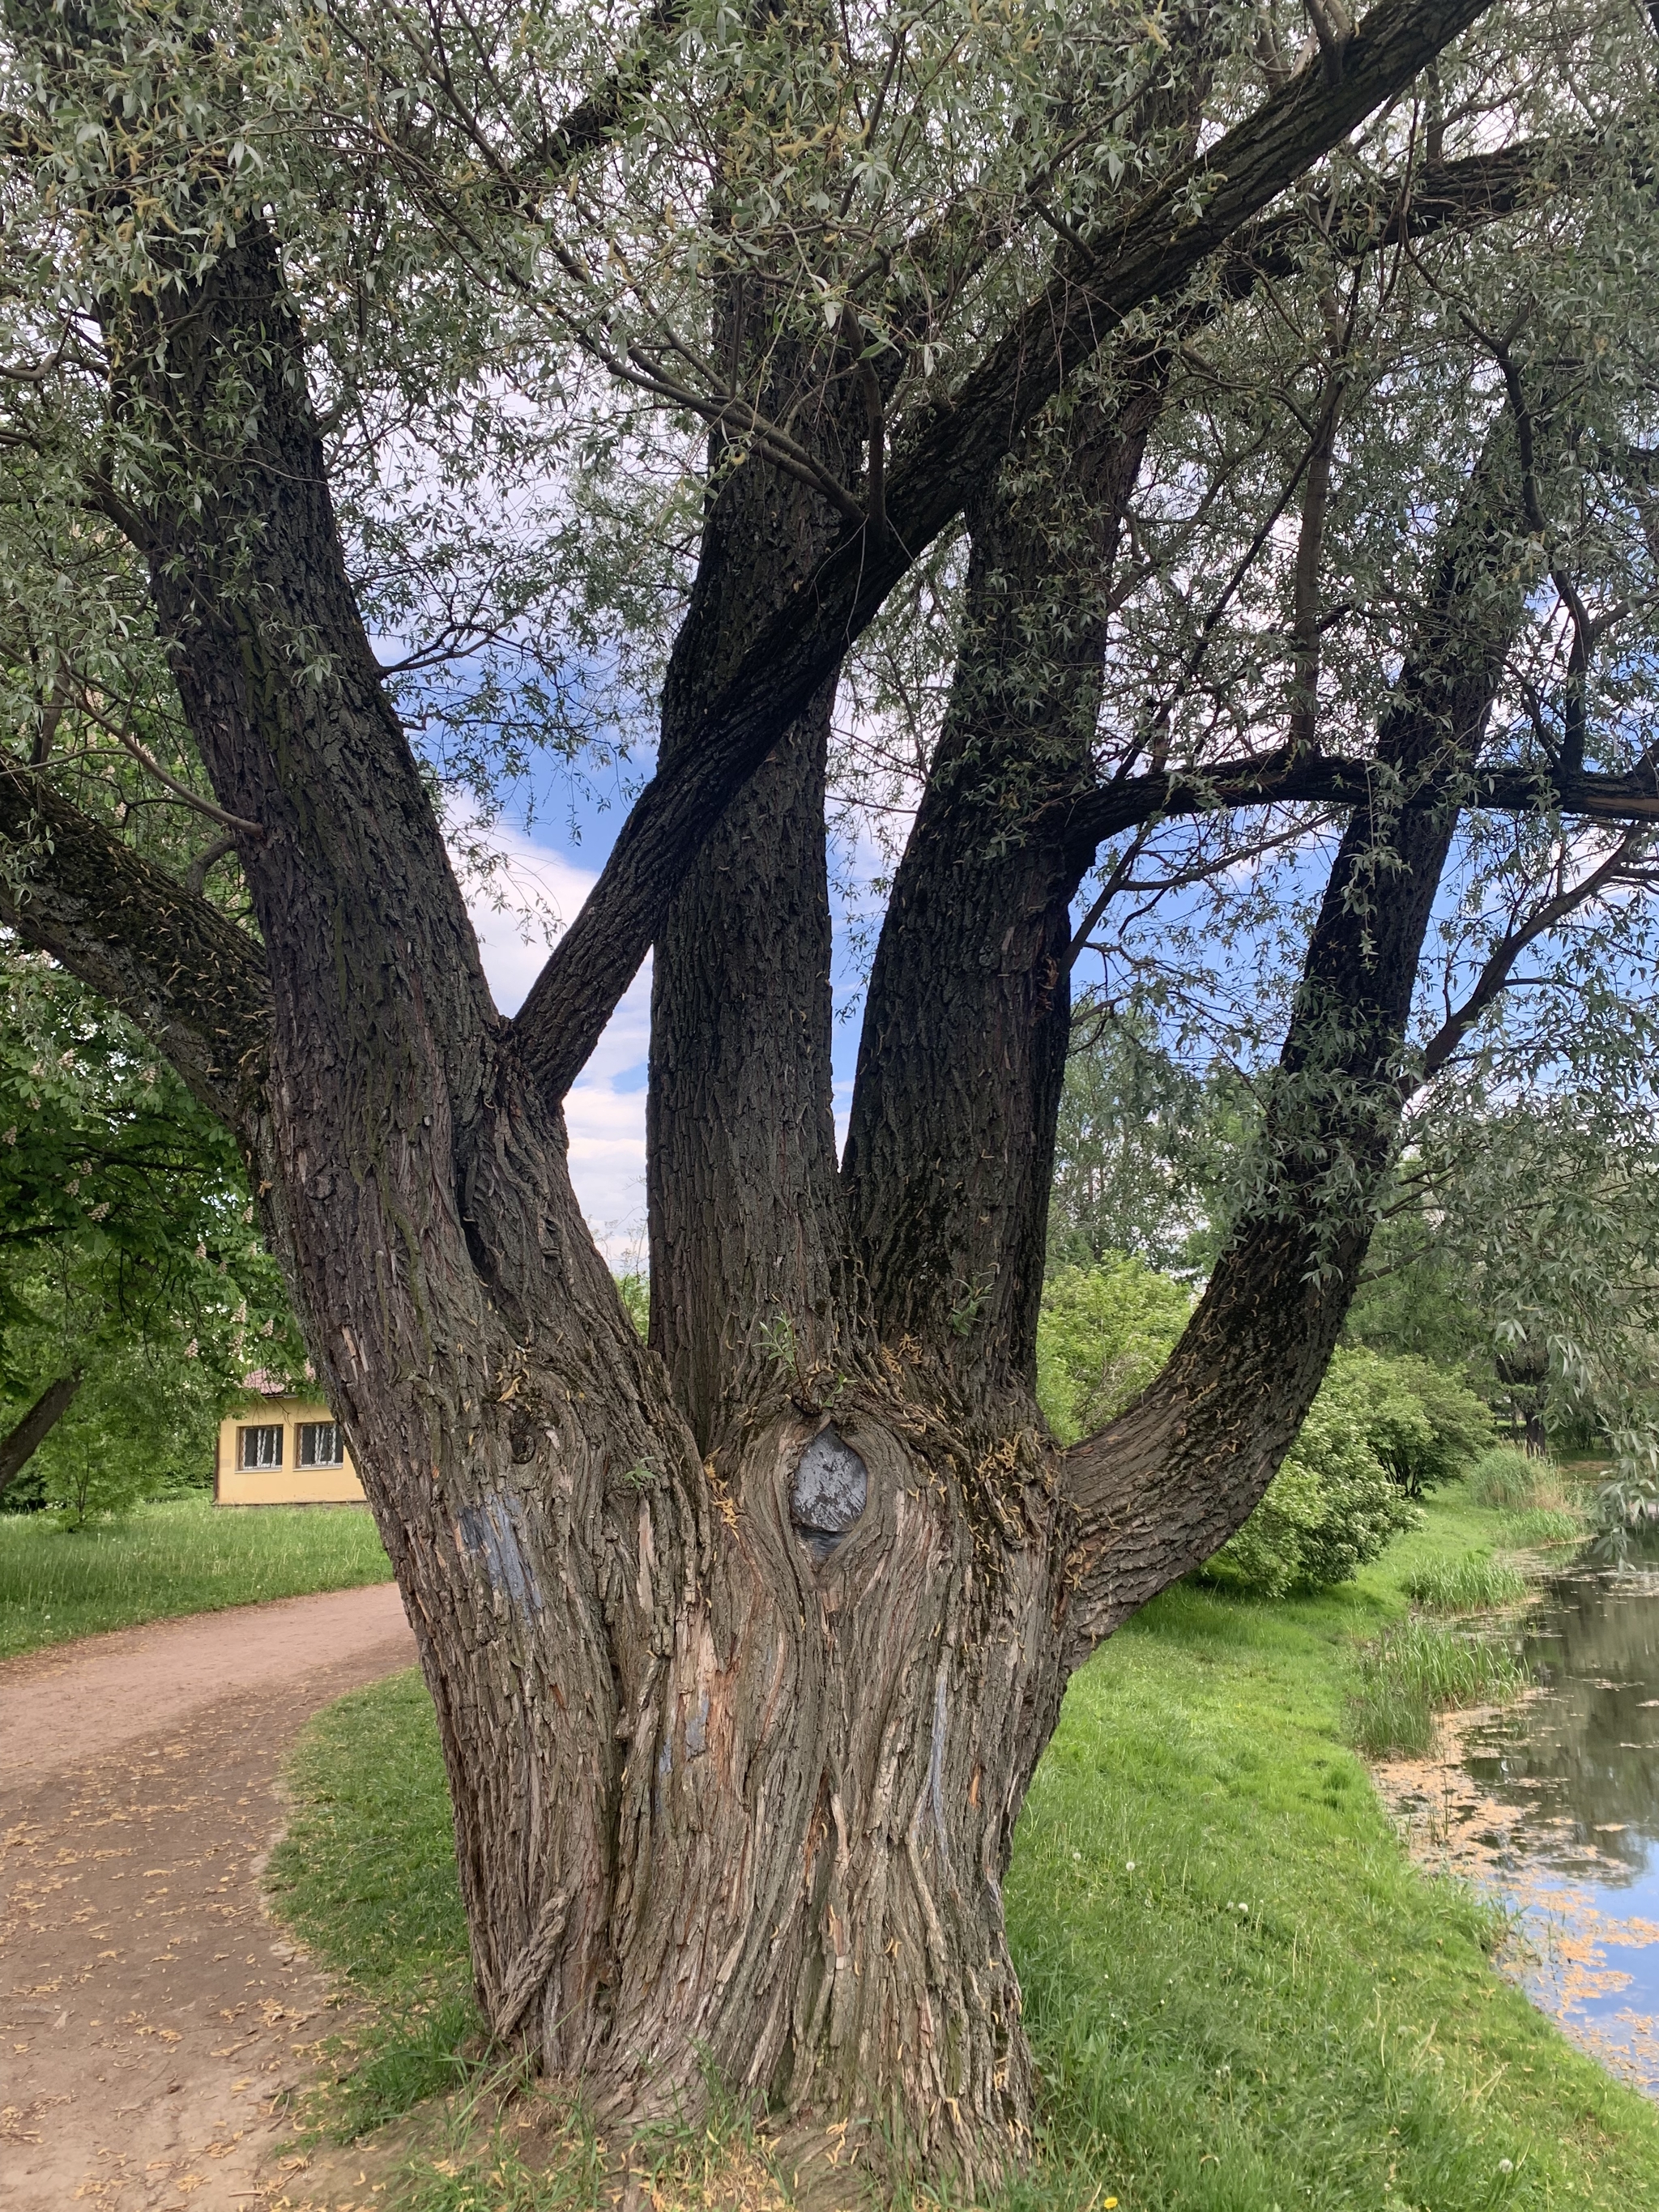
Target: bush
[1380,1432]
[1330,1510]
[1103,1335]
[1417,1670]
[1418,1418]
[1475,1583]
[1514,1481]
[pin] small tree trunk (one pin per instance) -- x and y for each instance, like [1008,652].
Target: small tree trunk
[22,1442]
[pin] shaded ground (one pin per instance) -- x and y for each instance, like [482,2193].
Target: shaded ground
[151,2015]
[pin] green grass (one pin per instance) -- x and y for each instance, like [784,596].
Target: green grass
[1511,1480]
[1418,1668]
[1475,1583]
[184,1556]
[1242,1996]
[366,1877]
[1541,1527]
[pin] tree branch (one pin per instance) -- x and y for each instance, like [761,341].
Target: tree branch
[1499,966]
[21,1443]
[1167,1481]
[187,977]
[954,446]
[1286,779]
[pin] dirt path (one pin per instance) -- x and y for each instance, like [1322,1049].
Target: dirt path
[149,2011]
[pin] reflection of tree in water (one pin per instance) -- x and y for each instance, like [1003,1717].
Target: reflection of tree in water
[1595,1647]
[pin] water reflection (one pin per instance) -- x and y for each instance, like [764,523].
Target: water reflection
[1554,1803]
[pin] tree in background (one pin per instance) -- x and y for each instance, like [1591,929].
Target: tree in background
[1266,414]
[135,1292]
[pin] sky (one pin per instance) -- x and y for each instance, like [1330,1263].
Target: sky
[605,1110]
[555,866]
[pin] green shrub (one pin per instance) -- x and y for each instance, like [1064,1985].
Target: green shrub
[1103,1335]
[1475,1583]
[1514,1481]
[1331,1508]
[1418,1418]
[1420,1670]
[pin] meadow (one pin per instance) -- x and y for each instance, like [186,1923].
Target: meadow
[178,1556]
[1242,1996]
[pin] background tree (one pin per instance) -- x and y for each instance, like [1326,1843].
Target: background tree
[134,1294]
[1273,477]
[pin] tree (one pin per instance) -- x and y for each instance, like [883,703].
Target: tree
[744,1643]
[134,1291]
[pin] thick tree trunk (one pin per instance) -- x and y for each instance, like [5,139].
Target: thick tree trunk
[750,1286]
[949,1147]
[733,1788]
[742,1656]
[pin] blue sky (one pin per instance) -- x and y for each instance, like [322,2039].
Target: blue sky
[555,864]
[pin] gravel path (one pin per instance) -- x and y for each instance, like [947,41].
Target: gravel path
[150,2013]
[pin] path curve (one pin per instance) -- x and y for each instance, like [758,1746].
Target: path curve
[151,2014]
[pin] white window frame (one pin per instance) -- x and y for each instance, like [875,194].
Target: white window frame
[244,1436]
[302,1429]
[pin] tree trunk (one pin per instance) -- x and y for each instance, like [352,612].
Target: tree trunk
[21,1443]
[743,1649]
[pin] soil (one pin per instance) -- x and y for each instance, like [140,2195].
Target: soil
[153,2019]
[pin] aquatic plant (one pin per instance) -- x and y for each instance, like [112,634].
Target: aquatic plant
[1476,1583]
[1411,1673]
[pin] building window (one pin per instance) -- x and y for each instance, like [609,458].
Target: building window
[260,1447]
[320,1445]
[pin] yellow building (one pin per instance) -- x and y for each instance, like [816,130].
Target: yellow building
[282,1450]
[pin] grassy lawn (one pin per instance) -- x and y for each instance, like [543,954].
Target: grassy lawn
[185,1556]
[1242,1996]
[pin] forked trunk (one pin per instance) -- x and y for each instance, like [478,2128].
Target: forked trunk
[735,1747]
[744,1647]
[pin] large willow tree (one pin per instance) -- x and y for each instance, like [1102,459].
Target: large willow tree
[1267,399]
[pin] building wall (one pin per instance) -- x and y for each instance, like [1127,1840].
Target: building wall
[290,1484]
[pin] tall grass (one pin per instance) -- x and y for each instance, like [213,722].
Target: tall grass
[1475,1583]
[1420,1669]
[1541,1527]
[1514,1481]
[183,1556]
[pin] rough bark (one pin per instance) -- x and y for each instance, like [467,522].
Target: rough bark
[1166,1482]
[729,1794]
[20,1442]
[951,452]
[749,1272]
[949,1146]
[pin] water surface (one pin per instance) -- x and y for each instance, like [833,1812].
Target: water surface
[1554,1803]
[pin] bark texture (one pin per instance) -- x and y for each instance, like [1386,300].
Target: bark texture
[749,1266]
[743,1645]
[950,1148]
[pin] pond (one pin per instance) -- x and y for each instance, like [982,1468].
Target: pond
[1553,1804]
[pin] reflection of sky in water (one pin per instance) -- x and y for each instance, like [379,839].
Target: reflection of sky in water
[1556,1804]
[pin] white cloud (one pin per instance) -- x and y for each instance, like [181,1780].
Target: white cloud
[606,1122]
